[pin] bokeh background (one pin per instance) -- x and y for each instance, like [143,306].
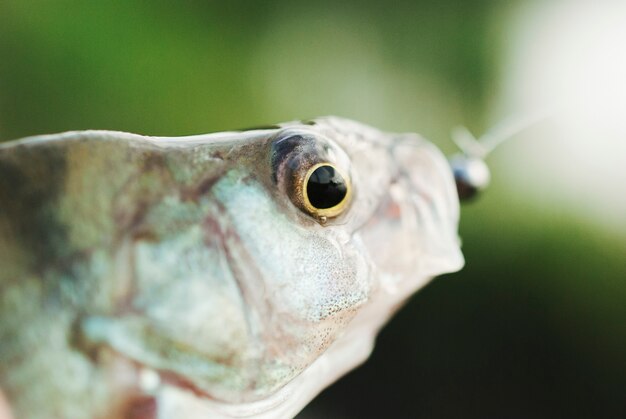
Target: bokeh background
[535,325]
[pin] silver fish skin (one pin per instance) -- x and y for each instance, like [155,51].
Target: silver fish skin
[154,277]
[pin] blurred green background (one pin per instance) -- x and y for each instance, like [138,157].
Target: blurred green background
[534,326]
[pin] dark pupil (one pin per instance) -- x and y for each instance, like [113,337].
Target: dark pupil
[326,188]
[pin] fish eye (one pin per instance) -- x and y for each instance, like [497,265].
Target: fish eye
[313,172]
[326,190]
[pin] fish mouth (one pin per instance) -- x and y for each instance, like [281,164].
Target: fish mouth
[173,395]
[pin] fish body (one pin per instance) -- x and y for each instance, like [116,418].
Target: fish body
[223,275]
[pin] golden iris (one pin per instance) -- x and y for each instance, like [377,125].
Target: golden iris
[326,191]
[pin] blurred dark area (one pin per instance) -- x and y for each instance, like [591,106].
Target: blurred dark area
[533,326]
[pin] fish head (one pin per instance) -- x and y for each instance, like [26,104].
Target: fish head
[309,239]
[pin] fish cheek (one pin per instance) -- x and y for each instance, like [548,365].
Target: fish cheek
[301,282]
[185,290]
[185,314]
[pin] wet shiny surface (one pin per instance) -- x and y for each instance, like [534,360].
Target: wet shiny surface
[326,188]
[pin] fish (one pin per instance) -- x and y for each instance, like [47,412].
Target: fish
[225,275]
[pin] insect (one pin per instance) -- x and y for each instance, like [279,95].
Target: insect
[224,275]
